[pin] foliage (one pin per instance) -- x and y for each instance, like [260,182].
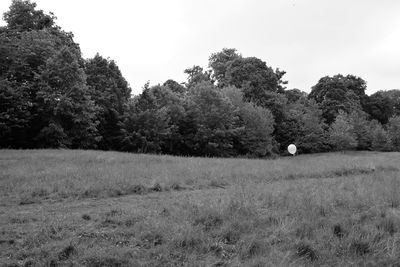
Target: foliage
[23,16]
[338,93]
[147,124]
[383,104]
[341,133]
[255,125]
[361,129]
[111,93]
[43,70]
[197,75]
[51,97]
[293,95]
[219,63]
[303,125]
[394,132]
[380,138]
[63,103]
[214,121]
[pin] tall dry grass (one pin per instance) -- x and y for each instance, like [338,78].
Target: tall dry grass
[314,210]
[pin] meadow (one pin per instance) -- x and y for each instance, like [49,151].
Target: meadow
[92,208]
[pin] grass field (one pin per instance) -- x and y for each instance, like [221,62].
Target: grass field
[73,207]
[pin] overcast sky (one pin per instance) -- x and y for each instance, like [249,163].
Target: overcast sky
[156,40]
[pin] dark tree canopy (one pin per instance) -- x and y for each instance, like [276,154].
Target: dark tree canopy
[293,95]
[51,97]
[383,104]
[23,16]
[338,93]
[43,75]
[111,93]
[219,63]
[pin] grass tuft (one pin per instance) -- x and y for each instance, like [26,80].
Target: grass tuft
[305,251]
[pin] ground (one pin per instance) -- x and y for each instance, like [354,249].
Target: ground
[93,208]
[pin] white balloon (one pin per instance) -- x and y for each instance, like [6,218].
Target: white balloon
[292,149]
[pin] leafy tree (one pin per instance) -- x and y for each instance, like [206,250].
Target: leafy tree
[253,76]
[380,138]
[151,122]
[214,121]
[63,105]
[338,93]
[394,132]
[341,133]
[197,75]
[219,63]
[43,83]
[23,55]
[23,16]
[110,92]
[303,125]
[146,131]
[362,129]
[383,104]
[294,95]
[254,126]
[175,87]
[14,115]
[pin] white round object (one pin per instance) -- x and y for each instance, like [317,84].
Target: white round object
[292,149]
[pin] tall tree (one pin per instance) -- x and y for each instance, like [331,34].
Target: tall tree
[254,77]
[214,121]
[43,83]
[110,92]
[338,93]
[65,111]
[151,123]
[254,126]
[23,16]
[219,63]
[383,104]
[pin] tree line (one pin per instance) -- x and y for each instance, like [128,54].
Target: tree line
[239,106]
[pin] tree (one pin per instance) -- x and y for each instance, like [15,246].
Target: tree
[383,104]
[111,93]
[145,132]
[302,125]
[14,115]
[219,63]
[380,137]
[151,123]
[214,121]
[341,133]
[42,83]
[253,76]
[293,95]
[361,129]
[394,132]
[175,87]
[338,93]
[255,125]
[23,16]
[65,112]
[22,56]
[197,75]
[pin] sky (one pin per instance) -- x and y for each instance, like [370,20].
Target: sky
[156,40]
